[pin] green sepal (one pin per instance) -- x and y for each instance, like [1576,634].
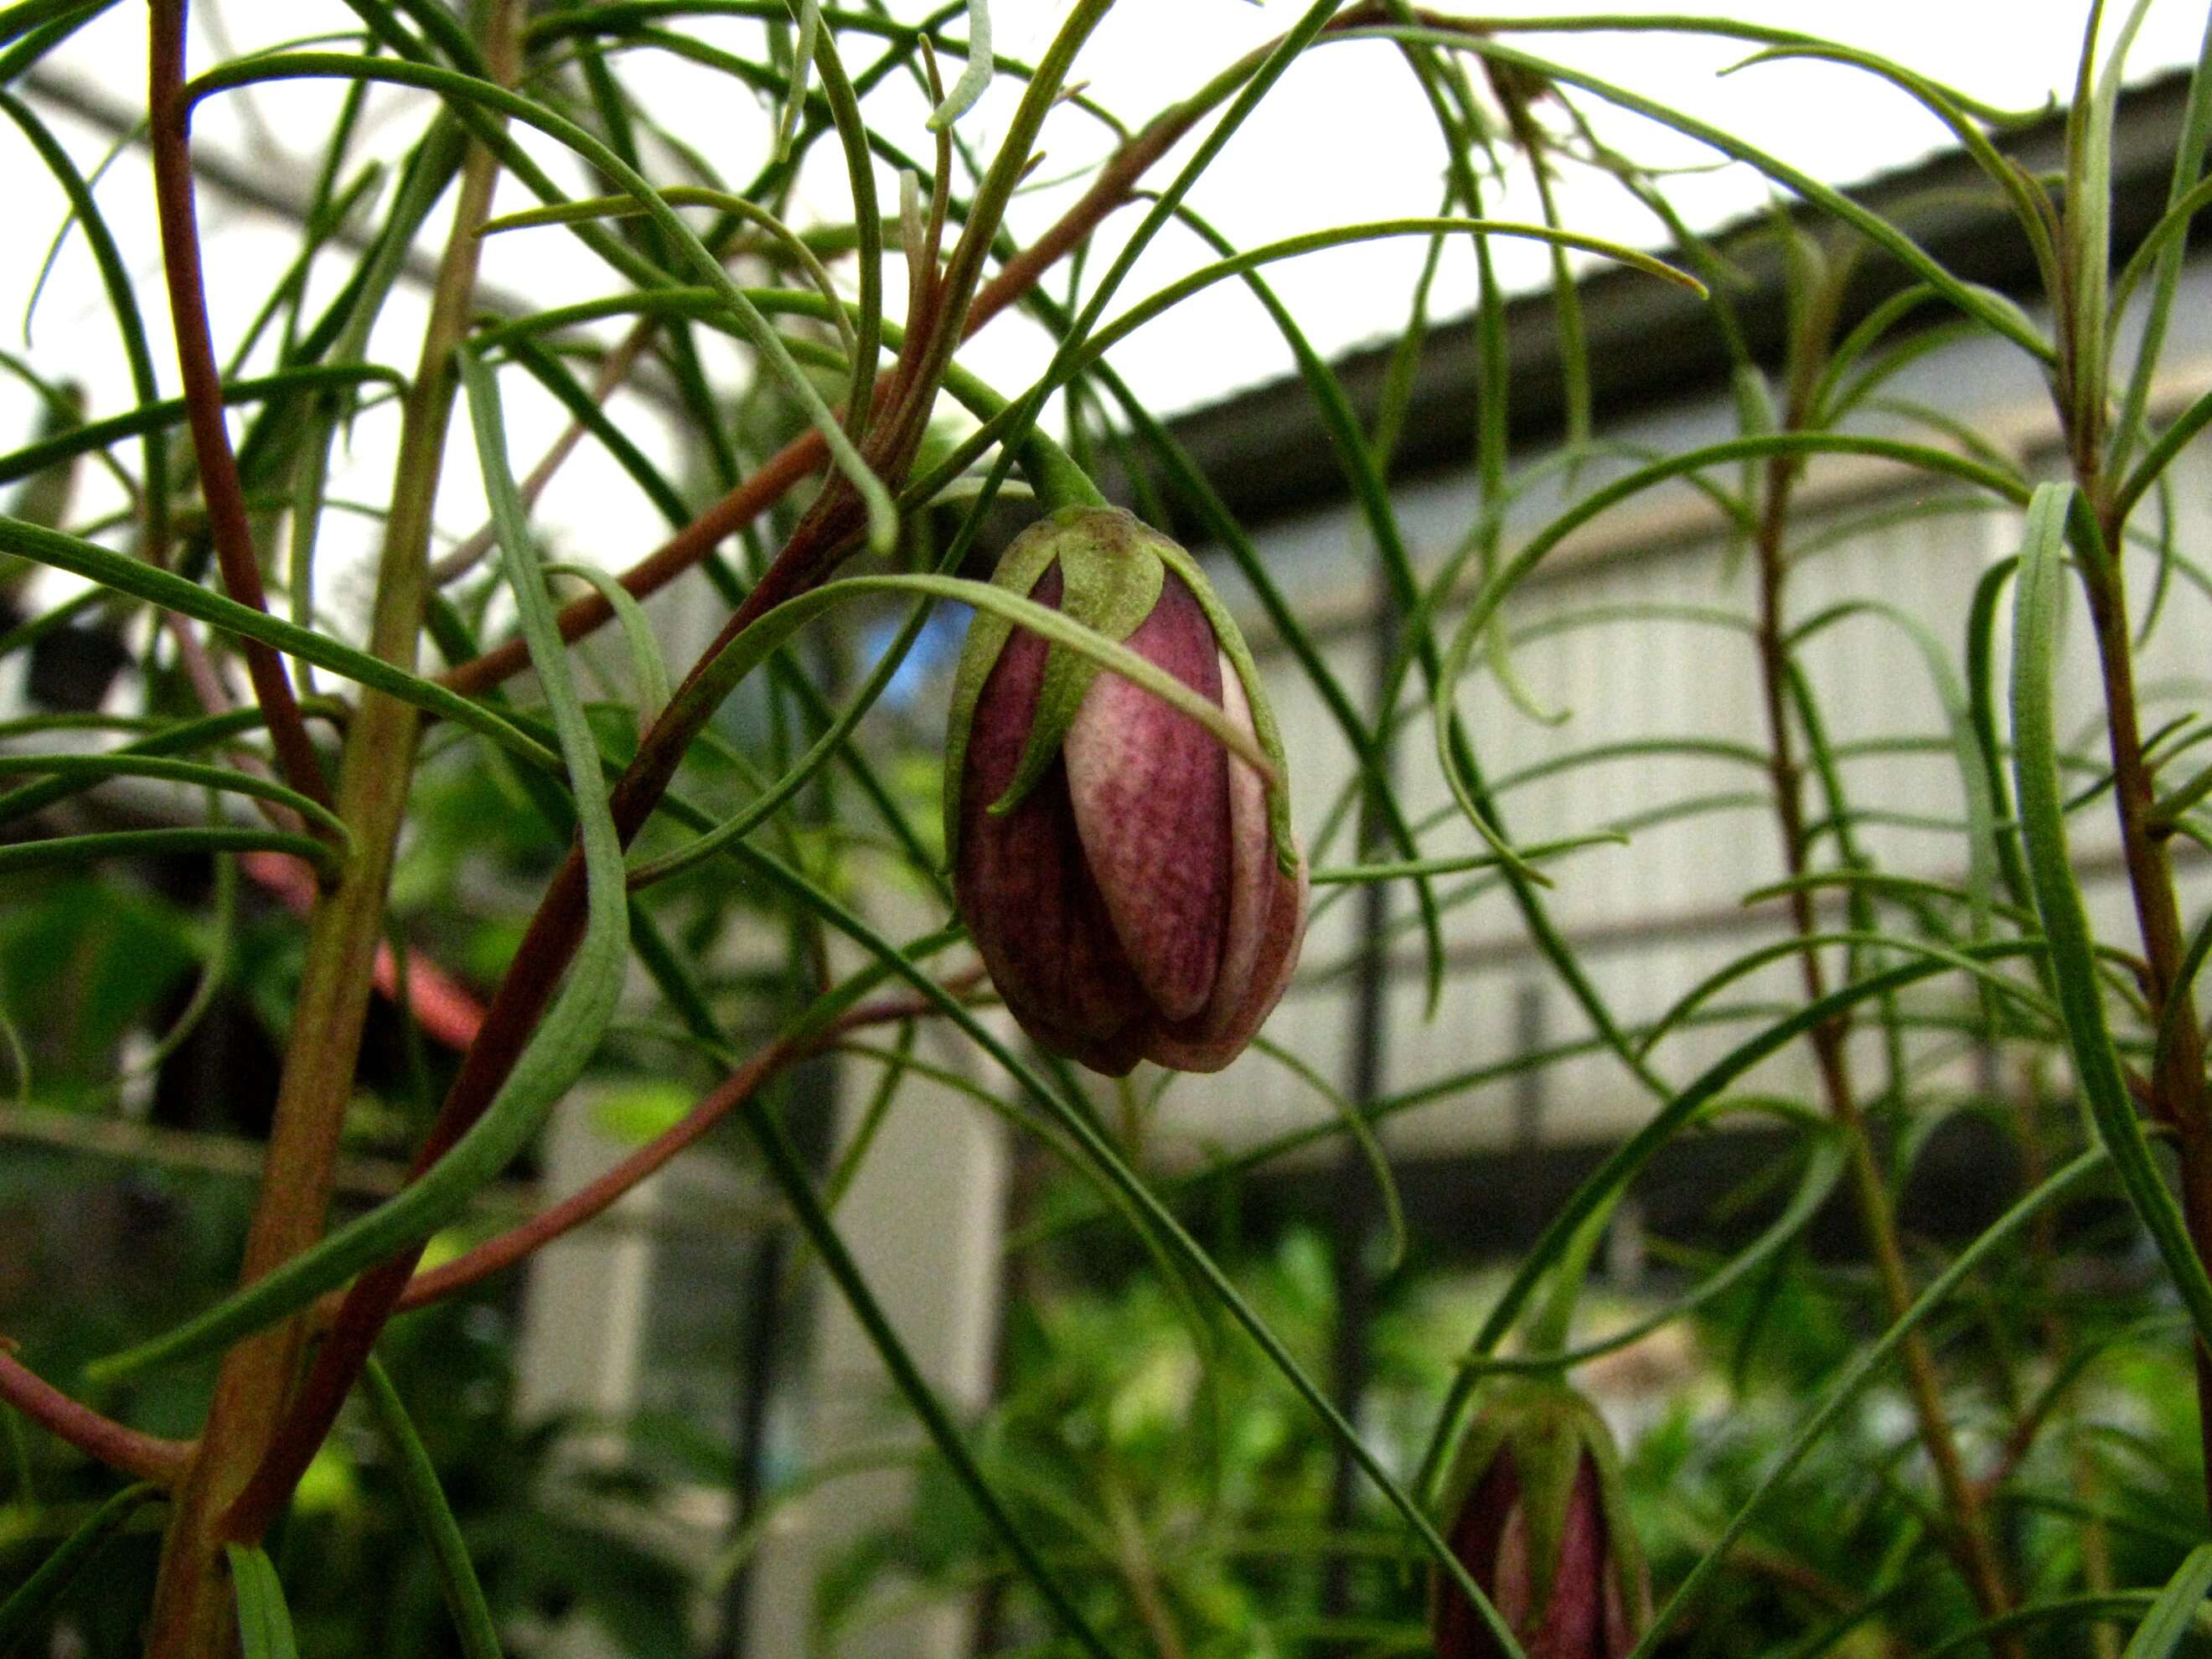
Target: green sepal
[1020,568]
[1230,639]
[1107,584]
[1110,579]
[1548,1427]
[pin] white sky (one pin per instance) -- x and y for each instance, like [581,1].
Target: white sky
[1346,137]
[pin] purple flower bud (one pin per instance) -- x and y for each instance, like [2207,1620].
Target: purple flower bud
[1127,894]
[1538,1522]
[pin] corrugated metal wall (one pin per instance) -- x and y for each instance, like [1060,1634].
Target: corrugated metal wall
[1616,647]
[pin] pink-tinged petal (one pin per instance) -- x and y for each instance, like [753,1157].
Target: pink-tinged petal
[1150,789]
[1024,886]
[1266,924]
[1574,1625]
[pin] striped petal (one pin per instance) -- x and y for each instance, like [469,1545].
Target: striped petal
[1265,925]
[1024,885]
[1151,790]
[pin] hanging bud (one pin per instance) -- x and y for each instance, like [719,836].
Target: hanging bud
[1535,1516]
[1131,883]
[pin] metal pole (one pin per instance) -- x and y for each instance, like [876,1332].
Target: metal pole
[1354,1217]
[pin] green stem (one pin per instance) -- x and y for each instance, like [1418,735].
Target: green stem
[193,1612]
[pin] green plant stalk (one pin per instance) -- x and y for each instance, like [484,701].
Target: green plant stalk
[192,1611]
[1970,1542]
[547,946]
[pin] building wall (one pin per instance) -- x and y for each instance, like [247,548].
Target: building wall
[1605,642]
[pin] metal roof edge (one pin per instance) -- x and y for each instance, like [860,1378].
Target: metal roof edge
[1651,345]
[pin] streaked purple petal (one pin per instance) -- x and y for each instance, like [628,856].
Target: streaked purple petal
[1151,790]
[1024,885]
[1265,925]
[1574,1616]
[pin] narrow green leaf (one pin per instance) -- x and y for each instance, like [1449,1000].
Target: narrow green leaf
[1158,1221]
[1993,309]
[161,843]
[1857,1374]
[789,1173]
[1622,1164]
[1363,1136]
[37,1596]
[647,670]
[264,1623]
[124,764]
[116,280]
[1823,1170]
[2111,1607]
[975,77]
[1415,867]
[1750,961]
[2176,1608]
[171,592]
[155,416]
[426,1503]
[786,239]
[162,737]
[2185,196]
[882,517]
[2058,899]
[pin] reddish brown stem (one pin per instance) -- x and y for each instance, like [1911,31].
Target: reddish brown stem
[1968,1537]
[144,1455]
[497,1255]
[544,955]
[827,532]
[764,489]
[805,454]
[596,1197]
[169,118]
[2178,1088]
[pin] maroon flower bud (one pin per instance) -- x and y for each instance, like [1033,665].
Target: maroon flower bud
[1536,1518]
[1130,883]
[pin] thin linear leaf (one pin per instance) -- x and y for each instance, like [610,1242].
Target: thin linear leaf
[883,517]
[2058,900]
[1993,309]
[170,411]
[2184,196]
[17,856]
[426,1503]
[751,647]
[647,670]
[2176,1608]
[125,574]
[1621,1165]
[1823,1170]
[38,1594]
[264,1623]
[126,764]
[162,737]
[1363,1136]
[1159,1221]
[1858,1373]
